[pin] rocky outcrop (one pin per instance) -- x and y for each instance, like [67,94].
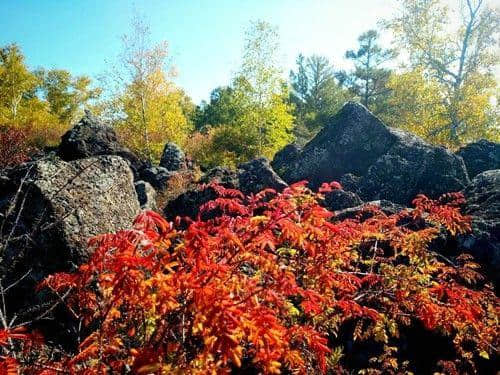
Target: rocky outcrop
[250,177]
[158,177]
[146,195]
[483,203]
[480,156]
[391,164]
[256,175]
[341,199]
[89,137]
[286,156]
[173,158]
[53,207]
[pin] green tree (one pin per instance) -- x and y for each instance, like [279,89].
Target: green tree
[460,59]
[66,94]
[368,79]
[260,80]
[252,117]
[315,95]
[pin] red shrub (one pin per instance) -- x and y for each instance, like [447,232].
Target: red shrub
[272,286]
[14,148]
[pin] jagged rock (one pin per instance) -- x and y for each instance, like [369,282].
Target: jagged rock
[59,206]
[89,137]
[480,156]
[158,177]
[392,164]
[483,203]
[341,199]
[146,195]
[285,157]
[173,158]
[223,176]
[257,175]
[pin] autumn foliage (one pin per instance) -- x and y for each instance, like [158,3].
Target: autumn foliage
[272,283]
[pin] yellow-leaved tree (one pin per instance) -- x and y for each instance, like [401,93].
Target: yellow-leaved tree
[146,107]
[450,85]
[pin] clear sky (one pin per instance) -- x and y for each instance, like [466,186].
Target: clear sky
[205,36]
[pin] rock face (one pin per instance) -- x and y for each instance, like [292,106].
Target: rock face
[483,203]
[480,156]
[146,195]
[62,204]
[391,164]
[156,176]
[250,177]
[257,175]
[173,158]
[90,138]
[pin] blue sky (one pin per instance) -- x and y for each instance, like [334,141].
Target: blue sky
[205,36]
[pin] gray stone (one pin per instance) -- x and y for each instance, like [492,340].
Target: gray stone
[391,164]
[483,204]
[173,158]
[89,137]
[257,175]
[480,156]
[146,195]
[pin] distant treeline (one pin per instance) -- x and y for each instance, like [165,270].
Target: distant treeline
[443,89]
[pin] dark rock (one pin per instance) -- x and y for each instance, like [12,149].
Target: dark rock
[146,195]
[392,164]
[172,158]
[53,208]
[341,199]
[350,182]
[89,137]
[158,177]
[480,156]
[257,175]
[483,203]
[188,204]
[223,176]
[285,157]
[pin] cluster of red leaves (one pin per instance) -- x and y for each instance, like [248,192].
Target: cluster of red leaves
[14,148]
[267,286]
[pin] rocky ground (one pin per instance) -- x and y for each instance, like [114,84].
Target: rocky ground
[49,207]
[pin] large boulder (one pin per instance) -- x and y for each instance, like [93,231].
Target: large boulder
[257,175]
[391,164]
[480,156]
[146,195]
[173,158]
[89,137]
[50,209]
[483,204]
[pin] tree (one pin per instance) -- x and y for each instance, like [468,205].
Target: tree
[66,94]
[461,59]
[415,104]
[315,94]
[16,81]
[369,78]
[146,107]
[260,80]
[252,116]
[225,106]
